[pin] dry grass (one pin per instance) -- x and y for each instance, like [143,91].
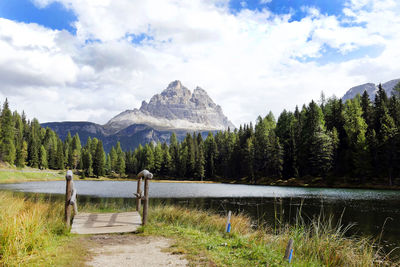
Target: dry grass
[32,233]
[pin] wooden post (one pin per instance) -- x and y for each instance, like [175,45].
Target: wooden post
[139,193]
[146,200]
[68,193]
[147,176]
[289,251]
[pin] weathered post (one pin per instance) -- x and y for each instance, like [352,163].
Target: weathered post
[147,176]
[68,195]
[139,193]
[289,251]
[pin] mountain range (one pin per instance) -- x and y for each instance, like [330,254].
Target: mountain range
[175,109]
[371,89]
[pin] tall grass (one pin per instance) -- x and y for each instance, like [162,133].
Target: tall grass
[32,232]
[319,243]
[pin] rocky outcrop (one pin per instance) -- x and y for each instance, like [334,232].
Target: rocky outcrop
[175,108]
[371,89]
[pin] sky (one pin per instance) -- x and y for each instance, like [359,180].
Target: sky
[89,60]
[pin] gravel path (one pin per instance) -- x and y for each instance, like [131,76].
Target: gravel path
[132,250]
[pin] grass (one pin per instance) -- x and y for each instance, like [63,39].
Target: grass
[32,233]
[200,235]
[15,176]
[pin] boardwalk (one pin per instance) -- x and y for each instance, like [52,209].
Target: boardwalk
[105,223]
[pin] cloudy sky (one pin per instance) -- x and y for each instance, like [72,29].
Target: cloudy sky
[91,59]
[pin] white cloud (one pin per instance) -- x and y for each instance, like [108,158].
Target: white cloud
[249,63]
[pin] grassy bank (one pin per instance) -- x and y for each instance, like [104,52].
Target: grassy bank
[200,235]
[28,174]
[32,233]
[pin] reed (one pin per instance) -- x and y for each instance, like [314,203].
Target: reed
[320,242]
[32,232]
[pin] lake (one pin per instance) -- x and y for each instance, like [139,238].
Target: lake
[369,210]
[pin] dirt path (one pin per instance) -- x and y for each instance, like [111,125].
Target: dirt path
[132,250]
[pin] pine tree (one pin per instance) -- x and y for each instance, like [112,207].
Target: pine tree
[42,158]
[7,146]
[285,131]
[356,129]
[113,159]
[174,153]
[76,148]
[200,161]
[148,158]
[120,164]
[158,158]
[87,162]
[166,166]
[99,161]
[211,153]
[60,155]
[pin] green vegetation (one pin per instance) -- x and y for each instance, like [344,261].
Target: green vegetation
[32,233]
[200,235]
[356,143]
[16,176]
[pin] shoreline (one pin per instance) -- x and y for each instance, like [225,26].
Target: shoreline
[10,175]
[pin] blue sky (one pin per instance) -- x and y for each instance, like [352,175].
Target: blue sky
[97,58]
[330,7]
[54,16]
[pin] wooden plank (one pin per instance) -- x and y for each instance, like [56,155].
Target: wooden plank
[103,223]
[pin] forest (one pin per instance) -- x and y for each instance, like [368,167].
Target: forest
[358,140]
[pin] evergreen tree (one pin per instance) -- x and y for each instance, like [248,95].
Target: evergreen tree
[60,155]
[113,159]
[76,148]
[87,162]
[42,158]
[200,161]
[356,129]
[99,161]
[120,164]
[148,158]
[211,153]
[7,146]
[174,153]
[285,131]
[158,158]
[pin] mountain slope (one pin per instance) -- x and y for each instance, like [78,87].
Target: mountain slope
[371,89]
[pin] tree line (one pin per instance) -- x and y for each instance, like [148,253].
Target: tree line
[329,139]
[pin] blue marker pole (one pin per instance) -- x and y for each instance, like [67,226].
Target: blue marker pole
[291,255]
[228,223]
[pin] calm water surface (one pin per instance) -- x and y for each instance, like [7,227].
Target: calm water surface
[369,210]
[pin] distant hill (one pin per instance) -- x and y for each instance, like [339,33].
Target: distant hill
[371,89]
[176,109]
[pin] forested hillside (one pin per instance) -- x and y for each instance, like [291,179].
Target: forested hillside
[358,139]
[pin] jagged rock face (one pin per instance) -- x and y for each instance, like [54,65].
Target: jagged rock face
[175,108]
[371,89]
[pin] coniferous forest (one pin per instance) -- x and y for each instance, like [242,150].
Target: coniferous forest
[357,141]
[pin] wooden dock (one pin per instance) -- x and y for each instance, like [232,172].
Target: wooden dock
[105,223]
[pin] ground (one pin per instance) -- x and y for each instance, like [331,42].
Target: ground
[132,250]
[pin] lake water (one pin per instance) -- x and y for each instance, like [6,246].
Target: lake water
[368,209]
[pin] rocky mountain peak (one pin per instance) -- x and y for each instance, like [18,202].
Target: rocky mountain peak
[176,107]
